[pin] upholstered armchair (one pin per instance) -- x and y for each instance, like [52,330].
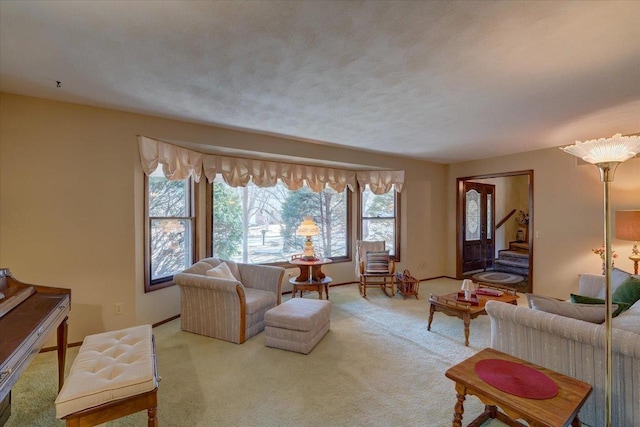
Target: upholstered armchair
[374,268]
[227,300]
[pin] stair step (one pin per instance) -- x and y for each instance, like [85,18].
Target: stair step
[511,267]
[519,245]
[512,263]
[513,254]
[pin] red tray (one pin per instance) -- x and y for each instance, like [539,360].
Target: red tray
[472,301]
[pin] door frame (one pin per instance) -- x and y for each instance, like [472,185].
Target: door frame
[460,220]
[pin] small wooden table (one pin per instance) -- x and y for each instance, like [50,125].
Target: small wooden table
[561,410]
[310,269]
[451,306]
[311,285]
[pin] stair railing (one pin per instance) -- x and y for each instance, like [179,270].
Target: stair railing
[505,219]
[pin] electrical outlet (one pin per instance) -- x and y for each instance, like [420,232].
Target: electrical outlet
[117,308]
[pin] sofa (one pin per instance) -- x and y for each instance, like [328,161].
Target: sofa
[576,348]
[227,300]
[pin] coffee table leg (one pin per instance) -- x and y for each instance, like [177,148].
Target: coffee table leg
[576,422]
[326,290]
[467,320]
[461,392]
[432,309]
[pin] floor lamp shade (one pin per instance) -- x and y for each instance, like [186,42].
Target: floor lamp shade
[628,228]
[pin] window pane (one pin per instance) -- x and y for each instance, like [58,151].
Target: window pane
[380,229]
[374,205]
[170,247]
[378,219]
[489,216]
[168,198]
[472,229]
[258,225]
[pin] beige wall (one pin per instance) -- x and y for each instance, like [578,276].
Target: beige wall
[568,213]
[71,204]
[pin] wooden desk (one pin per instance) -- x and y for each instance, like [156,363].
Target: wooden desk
[451,306]
[561,410]
[311,285]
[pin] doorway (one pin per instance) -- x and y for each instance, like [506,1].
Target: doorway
[489,213]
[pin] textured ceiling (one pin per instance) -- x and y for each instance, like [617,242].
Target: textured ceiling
[437,80]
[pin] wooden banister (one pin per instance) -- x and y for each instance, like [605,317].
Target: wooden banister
[505,219]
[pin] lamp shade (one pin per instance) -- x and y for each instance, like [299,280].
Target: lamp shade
[618,148]
[628,225]
[308,228]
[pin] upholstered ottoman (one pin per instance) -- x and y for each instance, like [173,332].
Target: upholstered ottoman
[113,375]
[297,325]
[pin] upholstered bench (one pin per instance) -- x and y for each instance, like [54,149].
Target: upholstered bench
[113,375]
[297,325]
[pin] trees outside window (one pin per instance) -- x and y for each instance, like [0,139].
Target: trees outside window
[169,229]
[258,225]
[380,219]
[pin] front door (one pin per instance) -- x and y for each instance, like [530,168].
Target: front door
[478,229]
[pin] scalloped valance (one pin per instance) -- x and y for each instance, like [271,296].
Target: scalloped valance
[181,163]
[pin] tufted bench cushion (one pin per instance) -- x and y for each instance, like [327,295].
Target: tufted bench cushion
[297,325]
[109,366]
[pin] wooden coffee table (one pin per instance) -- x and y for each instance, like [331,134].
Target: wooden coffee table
[451,306]
[560,410]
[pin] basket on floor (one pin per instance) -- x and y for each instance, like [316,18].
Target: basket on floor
[407,284]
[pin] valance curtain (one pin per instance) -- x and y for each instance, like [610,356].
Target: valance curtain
[181,163]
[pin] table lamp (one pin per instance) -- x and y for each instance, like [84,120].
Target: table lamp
[468,287]
[308,228]
[628,228]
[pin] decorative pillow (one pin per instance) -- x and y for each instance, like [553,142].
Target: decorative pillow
[618,277]
[222,271]
[200,267]
[585,312]
[377,262]
[628,291]
[234,269]
[582,299]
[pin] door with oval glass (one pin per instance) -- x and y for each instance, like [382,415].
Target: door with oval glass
[479,223]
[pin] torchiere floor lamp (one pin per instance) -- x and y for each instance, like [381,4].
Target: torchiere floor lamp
[606,154]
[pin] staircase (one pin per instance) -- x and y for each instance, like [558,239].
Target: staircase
[514,260]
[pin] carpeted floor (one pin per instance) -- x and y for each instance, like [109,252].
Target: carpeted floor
[377,366]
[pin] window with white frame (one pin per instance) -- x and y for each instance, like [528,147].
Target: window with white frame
[380,219]
[258,225]
[170,225]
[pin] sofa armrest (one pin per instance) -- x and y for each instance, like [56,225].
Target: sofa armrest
[263,277]
[591,285]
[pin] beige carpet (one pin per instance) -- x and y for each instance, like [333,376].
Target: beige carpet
[377,366]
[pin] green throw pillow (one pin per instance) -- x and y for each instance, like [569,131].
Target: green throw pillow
[628,291]
[582,299]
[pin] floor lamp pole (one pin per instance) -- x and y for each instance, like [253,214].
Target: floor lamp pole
[606,176]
